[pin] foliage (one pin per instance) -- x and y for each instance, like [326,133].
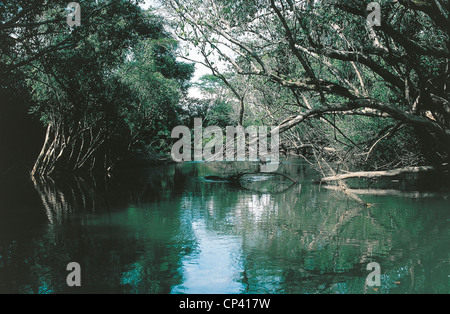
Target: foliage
[374,96]
[115,88]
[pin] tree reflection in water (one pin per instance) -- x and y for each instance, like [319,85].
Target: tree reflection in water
[167,230]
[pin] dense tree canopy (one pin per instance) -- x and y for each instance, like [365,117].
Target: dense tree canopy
[101,88]
[337,87]
[377,95]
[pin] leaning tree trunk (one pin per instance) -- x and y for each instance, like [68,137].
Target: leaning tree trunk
[39,164]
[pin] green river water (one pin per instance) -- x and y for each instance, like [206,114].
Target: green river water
[165,229]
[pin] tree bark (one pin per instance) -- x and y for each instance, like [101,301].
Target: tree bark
[39,161]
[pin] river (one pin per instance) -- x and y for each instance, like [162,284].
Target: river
[166,229]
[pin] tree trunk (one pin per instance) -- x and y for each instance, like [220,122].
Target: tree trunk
[241,111]
[38,165]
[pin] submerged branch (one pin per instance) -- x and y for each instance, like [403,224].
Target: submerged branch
[387,192]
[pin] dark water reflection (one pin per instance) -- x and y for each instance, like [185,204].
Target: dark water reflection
[167,230]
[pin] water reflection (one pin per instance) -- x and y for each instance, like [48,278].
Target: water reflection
[215,266]
[167,230]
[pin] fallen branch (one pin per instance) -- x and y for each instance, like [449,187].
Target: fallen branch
[377,174]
